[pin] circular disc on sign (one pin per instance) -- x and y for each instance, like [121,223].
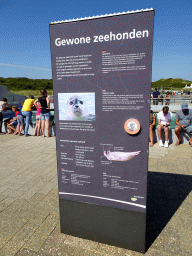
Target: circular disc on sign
[132,126]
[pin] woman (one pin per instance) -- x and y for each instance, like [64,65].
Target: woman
[26,111]
[152,123]
[167,99]
[164,118]
[45,112]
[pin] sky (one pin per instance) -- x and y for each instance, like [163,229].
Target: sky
[25,42]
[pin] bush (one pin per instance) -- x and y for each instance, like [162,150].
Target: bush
[23,83]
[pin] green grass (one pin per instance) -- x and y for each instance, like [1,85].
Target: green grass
[29,92]
[171,83]
[166,84]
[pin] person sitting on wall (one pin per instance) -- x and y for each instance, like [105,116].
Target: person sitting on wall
[155,97]
[13,121]
[152,123]
[183,122]
[164,118]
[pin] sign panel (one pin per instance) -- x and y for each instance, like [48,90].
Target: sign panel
[102,80]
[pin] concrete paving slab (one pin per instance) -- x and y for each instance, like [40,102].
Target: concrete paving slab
[41,234]
[53,243]
[21,237]
[29,210]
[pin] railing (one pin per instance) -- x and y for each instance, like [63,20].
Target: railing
[175,100]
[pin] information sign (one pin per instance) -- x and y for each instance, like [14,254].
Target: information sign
[102,81]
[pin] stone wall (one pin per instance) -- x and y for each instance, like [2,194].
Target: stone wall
[13,99]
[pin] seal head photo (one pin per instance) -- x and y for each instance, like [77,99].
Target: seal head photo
[76,108]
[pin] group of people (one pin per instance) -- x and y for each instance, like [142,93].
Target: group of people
[159,98]
[182,120]
[42,104]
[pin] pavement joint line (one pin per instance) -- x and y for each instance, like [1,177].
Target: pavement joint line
[21,229]
[12,237]
[15,234]
[154,165]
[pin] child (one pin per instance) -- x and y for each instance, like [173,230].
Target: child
[20,121]
[12,122]
[38,119]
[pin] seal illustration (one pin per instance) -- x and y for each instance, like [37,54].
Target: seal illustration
[120,156]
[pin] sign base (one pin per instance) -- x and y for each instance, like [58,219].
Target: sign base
[117,227]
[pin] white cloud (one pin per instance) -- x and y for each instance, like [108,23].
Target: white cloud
[21,66]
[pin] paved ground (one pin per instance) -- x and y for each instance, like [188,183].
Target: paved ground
[29,211]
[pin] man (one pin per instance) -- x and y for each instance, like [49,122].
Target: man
[183,122]
[164,118]
[26,111]
[155,97]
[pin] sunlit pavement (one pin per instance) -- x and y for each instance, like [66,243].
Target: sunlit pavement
[29,210]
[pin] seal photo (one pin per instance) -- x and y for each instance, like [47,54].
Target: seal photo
[76,108]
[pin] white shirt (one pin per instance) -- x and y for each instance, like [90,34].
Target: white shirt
[164,119]
[1,106]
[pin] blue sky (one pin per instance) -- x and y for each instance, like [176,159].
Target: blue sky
[25,43]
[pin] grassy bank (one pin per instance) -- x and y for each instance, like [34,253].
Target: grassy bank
[171,83]
[29,92]
[26,86]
